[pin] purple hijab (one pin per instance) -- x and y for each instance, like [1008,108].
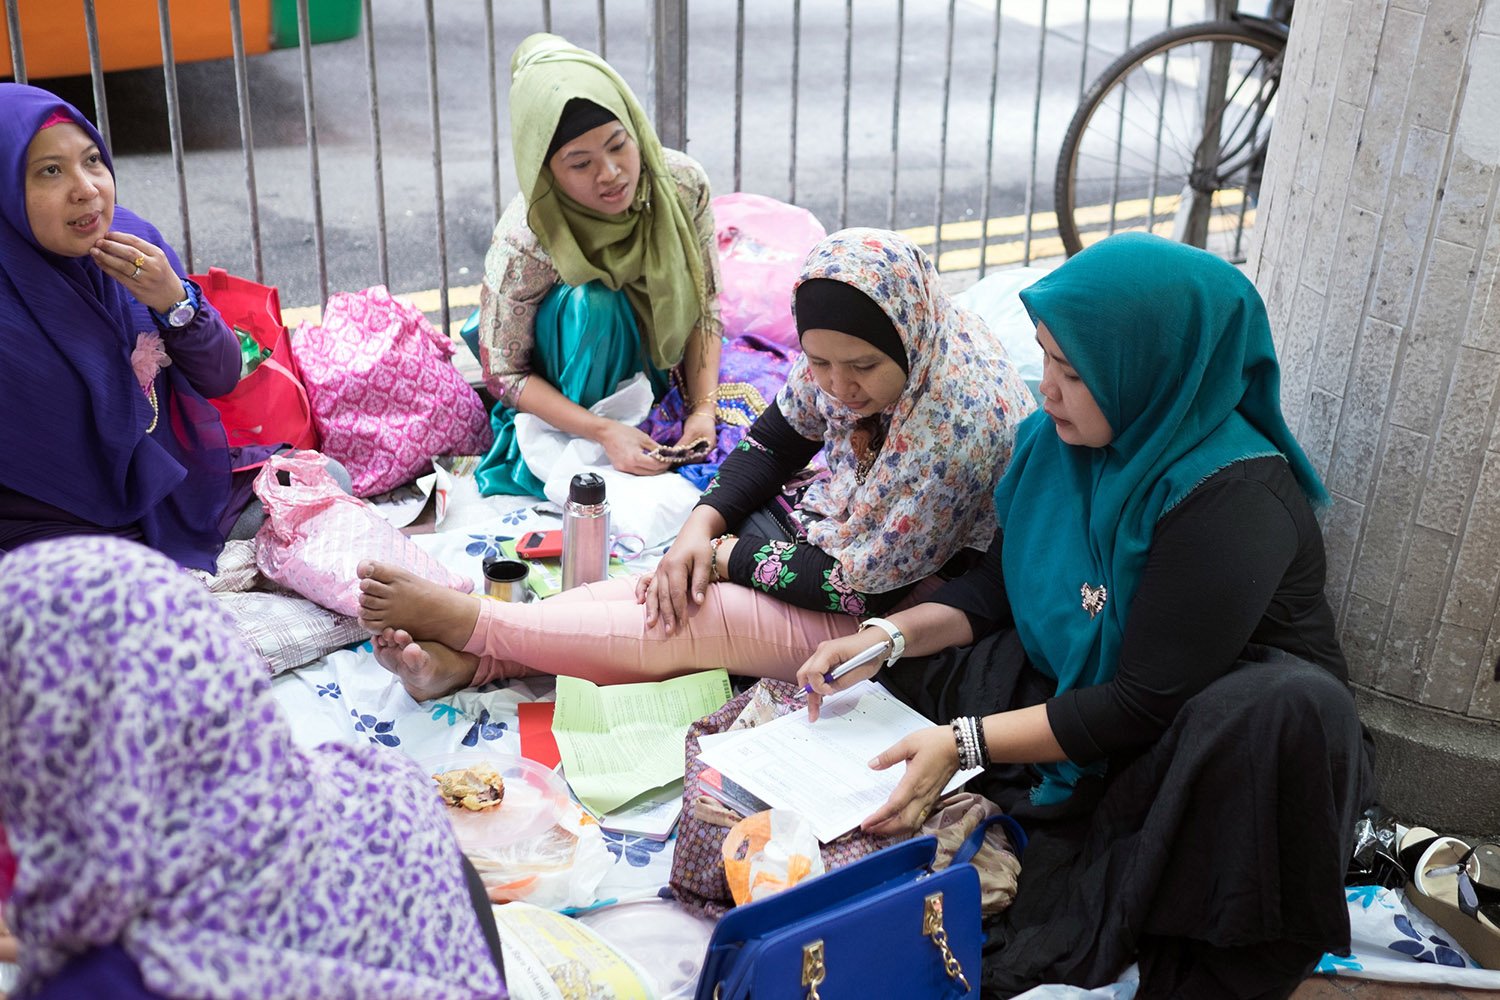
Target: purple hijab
[155,799]
[73,418]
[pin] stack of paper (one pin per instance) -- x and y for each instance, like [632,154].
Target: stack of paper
[821,769]
[653,815]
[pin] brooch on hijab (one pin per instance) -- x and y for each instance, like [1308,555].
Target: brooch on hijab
[1093,599]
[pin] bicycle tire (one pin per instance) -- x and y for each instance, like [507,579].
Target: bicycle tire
[1263,43]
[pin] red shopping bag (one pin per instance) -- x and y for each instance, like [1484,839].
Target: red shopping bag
[270,405]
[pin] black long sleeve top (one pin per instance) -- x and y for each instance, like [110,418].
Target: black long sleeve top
[1238,561]
[798,572]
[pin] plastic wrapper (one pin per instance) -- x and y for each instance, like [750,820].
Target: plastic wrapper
[768,852]
[316,535]
[559,868]
[1376,850]
[763,244]
[552,957]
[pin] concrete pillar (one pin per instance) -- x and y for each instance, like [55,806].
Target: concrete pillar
[1378,254]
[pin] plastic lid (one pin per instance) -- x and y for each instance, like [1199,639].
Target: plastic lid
[586,488]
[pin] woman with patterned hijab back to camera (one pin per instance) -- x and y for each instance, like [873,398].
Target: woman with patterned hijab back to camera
[173,840]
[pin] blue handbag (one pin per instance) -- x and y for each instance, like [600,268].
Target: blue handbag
[887,925]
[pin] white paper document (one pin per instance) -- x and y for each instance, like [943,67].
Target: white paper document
[821,769]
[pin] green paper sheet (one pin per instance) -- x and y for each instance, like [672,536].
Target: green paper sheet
[625,739]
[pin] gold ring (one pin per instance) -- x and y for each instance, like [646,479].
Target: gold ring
[137,272]
[140,261]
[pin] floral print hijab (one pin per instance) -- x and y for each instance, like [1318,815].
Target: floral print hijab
[155,799]
[948,437]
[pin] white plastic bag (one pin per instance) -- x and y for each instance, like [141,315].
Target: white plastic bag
[996,301]
[651,507]
[560,868]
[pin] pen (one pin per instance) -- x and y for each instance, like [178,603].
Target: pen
[854,662]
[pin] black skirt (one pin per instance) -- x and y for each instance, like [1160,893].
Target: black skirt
[1215,857]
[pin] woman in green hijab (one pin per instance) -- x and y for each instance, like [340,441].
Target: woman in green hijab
[1145,665]
[603,266]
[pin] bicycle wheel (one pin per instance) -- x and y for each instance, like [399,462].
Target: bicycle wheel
[1172,139]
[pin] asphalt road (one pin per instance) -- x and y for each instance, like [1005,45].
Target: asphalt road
[218,216]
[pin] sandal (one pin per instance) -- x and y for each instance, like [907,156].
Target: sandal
[1451,888]
[1412,847]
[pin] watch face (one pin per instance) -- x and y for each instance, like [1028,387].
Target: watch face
[182,313]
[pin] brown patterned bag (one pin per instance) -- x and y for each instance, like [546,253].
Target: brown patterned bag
[698,861]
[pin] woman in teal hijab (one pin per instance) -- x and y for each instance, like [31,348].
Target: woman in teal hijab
[1145,666]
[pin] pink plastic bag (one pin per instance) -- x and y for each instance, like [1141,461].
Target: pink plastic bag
[762,246]
[316,535]
[385,395]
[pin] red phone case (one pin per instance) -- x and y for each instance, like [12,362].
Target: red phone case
[540,545]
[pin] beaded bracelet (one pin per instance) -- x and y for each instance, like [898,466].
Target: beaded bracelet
[968,736]
[713,558]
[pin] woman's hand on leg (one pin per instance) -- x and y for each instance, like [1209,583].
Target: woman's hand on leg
[680,581]
[931,758]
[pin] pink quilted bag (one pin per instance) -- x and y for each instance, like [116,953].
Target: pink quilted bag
[385,395]
[316,535]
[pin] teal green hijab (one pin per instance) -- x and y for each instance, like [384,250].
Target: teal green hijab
[1174,345]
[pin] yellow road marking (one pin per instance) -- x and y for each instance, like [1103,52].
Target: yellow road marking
[466,297]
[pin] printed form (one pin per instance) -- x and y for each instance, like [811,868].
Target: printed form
[821,769]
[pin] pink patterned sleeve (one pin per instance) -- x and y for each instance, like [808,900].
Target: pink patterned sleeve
[517,276]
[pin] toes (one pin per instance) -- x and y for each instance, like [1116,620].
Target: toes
[416,661]
[371,587]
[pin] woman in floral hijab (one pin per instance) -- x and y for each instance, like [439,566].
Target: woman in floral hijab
[172,840]
[914,406]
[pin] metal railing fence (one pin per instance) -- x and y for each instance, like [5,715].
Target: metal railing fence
[939,119]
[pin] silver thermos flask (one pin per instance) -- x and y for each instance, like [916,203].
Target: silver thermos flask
[585,555]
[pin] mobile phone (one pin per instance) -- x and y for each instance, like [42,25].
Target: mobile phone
[540,545]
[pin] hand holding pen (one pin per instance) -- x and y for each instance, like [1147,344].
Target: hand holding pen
[872,654]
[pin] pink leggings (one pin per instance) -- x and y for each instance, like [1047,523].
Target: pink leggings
[598,632]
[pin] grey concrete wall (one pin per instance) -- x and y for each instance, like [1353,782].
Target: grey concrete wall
[1379,256]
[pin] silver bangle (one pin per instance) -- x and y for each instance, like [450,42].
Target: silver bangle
[898,639]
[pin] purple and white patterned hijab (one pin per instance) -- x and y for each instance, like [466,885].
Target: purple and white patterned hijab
[154,798]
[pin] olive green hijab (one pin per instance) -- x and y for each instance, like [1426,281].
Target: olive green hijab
[651,249]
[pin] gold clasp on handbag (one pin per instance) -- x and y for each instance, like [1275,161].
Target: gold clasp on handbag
[932,926]
[813,969]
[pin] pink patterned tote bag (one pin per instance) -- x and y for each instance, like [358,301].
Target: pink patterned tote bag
[385,395]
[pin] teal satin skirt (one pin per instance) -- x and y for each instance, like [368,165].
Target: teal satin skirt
[587,343]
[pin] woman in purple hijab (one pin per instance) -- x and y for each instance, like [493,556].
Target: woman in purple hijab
[173,840]
[107,353]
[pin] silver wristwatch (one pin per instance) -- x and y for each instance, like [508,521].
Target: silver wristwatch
[180,314]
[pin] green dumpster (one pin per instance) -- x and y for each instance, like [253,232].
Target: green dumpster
[329,20]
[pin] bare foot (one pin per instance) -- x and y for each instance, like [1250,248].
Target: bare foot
[393,598]
[427,670]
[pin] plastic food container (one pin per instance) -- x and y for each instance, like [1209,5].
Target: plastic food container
[535,799]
